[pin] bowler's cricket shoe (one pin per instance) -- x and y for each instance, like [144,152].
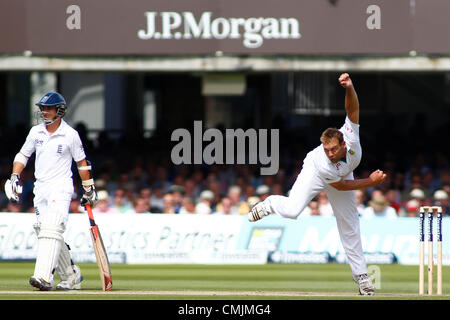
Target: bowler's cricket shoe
[257,212]
[41,284]
[73,282]
[365,285]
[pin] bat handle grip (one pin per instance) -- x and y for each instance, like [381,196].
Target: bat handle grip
[90,214]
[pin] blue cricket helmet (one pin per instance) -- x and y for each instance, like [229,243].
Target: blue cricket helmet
[53,99]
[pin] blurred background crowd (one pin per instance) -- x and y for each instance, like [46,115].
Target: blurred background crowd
[141,178]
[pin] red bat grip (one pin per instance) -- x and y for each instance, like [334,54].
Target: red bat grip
[90,214]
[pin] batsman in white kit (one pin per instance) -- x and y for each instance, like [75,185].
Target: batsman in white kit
[55,144]
[329,167]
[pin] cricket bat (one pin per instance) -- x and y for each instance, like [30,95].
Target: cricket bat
[100,252]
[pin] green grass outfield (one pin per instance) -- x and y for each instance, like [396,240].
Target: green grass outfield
[219,282]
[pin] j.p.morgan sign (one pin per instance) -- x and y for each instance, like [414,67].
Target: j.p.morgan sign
[184,25]
[144,27]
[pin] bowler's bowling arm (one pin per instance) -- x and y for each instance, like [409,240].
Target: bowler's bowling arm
[347,185]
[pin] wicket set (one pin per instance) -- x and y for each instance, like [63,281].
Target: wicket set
[429,212]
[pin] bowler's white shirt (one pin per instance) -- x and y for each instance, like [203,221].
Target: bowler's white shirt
[333,172]
[54,153]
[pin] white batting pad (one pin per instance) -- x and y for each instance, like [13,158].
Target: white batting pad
[64,267]
[50,241]
[52,211]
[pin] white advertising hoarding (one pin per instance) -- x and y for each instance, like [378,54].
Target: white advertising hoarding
[137,238]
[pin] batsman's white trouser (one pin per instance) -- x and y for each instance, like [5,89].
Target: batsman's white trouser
[51,204]
[307,185]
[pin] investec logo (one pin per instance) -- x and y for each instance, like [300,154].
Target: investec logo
[184,25]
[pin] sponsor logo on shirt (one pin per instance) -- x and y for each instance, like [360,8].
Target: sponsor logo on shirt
[59,151]
[351,152]
[38,142]
[348,128]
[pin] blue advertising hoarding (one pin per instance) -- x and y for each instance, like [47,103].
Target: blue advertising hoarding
[320,235]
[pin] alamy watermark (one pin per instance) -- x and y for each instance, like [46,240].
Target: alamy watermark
[373,22]
[73,21]
[235,146]
[374,272]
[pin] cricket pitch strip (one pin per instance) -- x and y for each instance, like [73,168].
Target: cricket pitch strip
[207,293]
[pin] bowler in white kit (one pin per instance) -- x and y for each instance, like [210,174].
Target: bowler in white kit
[56,144]
[329,167]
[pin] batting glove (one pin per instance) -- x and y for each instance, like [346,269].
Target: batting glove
[89,196]
[13,188]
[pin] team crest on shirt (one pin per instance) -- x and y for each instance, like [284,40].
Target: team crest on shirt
[348,128]
[351,152]
[60,148]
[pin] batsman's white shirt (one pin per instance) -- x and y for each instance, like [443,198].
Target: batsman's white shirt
[316,175]
[54,153]
[53,168]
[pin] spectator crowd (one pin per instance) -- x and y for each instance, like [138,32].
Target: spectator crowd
[142,179]
[233,190]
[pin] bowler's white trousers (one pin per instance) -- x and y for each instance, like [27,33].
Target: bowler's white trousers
[307,185]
